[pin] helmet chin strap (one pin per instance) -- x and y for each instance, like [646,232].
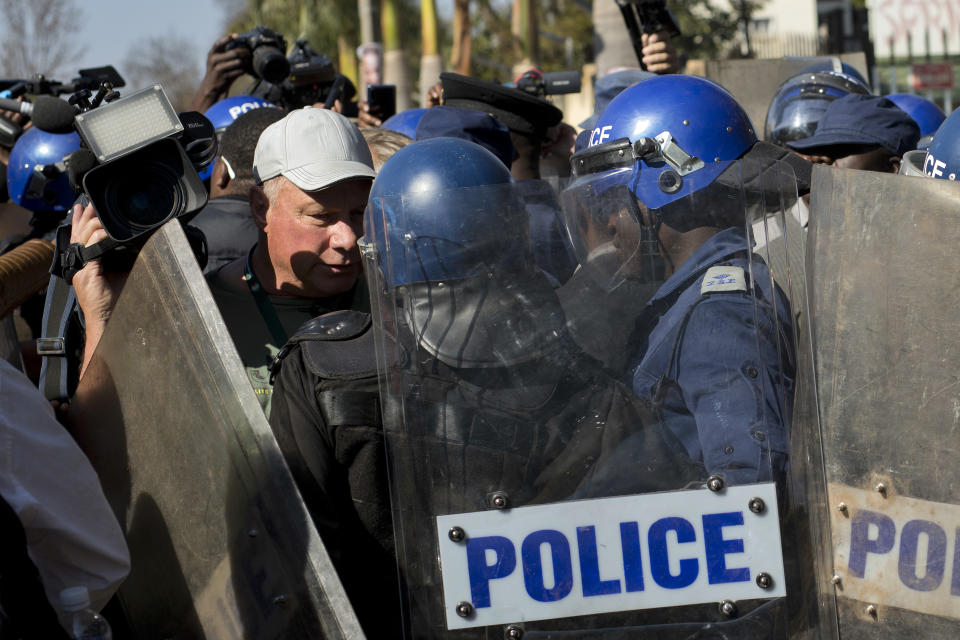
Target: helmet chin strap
[660,246]
[653,215]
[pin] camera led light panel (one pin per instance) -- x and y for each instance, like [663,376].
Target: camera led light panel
[128,123]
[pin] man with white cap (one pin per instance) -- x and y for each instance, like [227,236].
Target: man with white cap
[313,172]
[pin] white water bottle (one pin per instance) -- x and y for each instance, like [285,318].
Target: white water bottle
[85,624]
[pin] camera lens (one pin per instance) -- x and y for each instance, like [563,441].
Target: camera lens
[145,197]
[137,193]
[270,64]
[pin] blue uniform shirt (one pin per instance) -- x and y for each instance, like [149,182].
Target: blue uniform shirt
[718,367]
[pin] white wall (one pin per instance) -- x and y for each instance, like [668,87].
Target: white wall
[786,16]
[895,18]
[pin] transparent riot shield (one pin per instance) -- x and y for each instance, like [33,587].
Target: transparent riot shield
[221,544]
[878,404]
[536,493]
[548,237]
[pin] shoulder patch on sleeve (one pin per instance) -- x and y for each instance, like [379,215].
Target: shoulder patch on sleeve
[723,278]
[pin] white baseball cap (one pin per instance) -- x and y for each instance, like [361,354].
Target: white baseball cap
[313,149]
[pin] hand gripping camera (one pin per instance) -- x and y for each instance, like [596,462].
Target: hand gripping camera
[267,47]
[139,169]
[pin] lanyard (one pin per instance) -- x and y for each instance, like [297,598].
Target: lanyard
[267,311]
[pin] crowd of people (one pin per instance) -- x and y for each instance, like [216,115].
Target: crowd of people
[468,304]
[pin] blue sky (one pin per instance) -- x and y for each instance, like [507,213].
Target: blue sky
[111,27]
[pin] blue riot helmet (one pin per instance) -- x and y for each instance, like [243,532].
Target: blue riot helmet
[672,151]
[925,113]
[943,157]
[801,101]
[655,146]
[447,256]
[37,177]
[422,217]
[405,122]
[222,115]
[834,65]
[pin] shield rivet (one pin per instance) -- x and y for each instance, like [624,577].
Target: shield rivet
[764,580]
[757,505]
[499,501]
[281,601]
[836,579]
[881,489]
[872,611]
[842,507]
[715,483]
[253,533]
[729,129]
[728,608]
[686,123]
[457,534]
[464,609]
[513,632]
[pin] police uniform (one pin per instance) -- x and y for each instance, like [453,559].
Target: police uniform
[523,433]
[326,418]
[723,393]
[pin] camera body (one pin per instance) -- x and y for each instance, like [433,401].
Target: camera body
[540,84]
[312,79]
[138,167]
[267,47]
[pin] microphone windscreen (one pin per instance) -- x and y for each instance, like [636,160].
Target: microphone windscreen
[78,163]
[52,115]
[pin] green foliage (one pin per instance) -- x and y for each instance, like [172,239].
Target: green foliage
[322,22]
[708,31]
[319,22]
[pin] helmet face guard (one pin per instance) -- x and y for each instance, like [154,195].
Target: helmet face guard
[451,274]
[623,191]
[801,101]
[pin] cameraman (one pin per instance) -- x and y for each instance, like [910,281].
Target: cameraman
[223,67]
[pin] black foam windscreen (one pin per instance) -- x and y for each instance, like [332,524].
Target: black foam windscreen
[78,163]
[52,115]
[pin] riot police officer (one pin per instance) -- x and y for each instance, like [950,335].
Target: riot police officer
[486,402]
[670,193]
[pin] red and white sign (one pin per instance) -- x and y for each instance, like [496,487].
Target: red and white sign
[931,75]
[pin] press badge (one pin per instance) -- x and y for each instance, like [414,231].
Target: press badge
[607,555]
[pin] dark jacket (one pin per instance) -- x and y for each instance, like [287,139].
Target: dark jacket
[326,417]
[228,225]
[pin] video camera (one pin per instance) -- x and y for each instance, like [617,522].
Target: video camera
[540,84]
[312,79]
[138,167]
[40,85]
[647,16]
[269,62]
